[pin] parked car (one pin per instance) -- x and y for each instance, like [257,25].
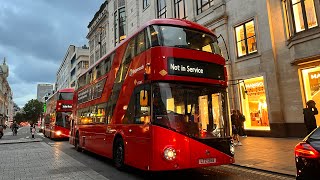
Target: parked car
[307,155]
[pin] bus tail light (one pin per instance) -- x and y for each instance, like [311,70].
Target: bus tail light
[58,133]
[170,154]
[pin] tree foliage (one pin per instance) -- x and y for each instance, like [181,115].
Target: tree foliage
[32,110]
[19,117]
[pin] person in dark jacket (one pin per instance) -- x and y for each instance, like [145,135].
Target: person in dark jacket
[235,127]
[309,116]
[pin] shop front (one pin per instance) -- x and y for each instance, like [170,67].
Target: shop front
[311,86]
[254,104]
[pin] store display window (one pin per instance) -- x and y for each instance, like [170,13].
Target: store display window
[254,104]
[311,86]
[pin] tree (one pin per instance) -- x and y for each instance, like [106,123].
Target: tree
[33,110]
[19,117]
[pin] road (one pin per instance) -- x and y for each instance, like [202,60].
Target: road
[104,166]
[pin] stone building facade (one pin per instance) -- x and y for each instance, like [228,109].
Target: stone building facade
[271,48]
[75,62]
[6,102]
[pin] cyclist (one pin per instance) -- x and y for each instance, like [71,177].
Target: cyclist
[15,128]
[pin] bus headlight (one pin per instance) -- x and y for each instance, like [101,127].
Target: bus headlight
[232,148]
[58,133]
[170,154]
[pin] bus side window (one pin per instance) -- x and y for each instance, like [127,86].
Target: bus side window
[154,36]
[141,43]
[128,56]
[147,38]
[108,112]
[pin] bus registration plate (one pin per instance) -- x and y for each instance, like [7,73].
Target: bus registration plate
[207,161]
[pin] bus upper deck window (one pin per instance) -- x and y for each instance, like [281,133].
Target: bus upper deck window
[154,33]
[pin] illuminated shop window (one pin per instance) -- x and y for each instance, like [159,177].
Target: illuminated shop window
[254,104]
[311,86]
[300,15]
[246,39]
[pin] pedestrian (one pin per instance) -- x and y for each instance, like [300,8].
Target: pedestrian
[1,131]
[15,128]
[309,116]
[235,127]
[242,119]
[33,130]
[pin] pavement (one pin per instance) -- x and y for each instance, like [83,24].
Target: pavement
[263,153]
[268,154]
[27,159]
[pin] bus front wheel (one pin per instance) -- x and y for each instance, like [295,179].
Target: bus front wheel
[118,154]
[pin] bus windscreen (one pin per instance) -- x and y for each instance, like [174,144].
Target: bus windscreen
[185,38]
[65,96]
[197,111]
[63,120]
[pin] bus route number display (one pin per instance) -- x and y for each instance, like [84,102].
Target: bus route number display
[183,67]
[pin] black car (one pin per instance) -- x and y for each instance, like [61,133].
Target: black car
[307,154]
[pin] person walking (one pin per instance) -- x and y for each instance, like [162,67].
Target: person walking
[15,128]
[309,116]
[33,130]
[235,127]
[1,131]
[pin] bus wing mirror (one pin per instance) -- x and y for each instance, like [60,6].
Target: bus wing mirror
[143,98]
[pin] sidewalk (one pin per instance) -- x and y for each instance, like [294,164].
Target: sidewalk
[37,160]
[270,154]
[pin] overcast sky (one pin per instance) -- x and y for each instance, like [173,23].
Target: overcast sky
[34,37]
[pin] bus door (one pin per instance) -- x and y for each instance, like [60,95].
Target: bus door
[138,130]
[100,128]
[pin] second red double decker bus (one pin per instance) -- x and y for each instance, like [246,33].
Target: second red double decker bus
[158,101]
[58,112]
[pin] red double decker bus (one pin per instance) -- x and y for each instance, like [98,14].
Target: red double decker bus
[158,101]
[58,112]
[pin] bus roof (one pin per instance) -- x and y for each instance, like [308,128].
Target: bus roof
[66,90]
[164,21]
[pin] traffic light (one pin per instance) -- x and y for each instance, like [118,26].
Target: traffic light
[44,107]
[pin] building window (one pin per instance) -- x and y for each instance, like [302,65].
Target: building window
[96,56]
[162,9]
[300,15]
[203,5]
[91,44]
[254,104]
[103,49]
[246,39]
[91,59]
[119,25]
[116,33]
[122,24]
[146,4]
[180,9]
